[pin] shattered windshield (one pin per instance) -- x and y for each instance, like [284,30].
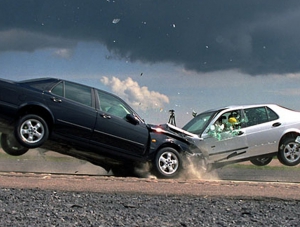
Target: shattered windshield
[198,124]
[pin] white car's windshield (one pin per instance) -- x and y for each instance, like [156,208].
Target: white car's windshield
[198,124]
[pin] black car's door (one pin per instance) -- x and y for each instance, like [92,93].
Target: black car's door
[73,108]
[114,131]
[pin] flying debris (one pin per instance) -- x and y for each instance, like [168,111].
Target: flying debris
[116,20]
[194,113]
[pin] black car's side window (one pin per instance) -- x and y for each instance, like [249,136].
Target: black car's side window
[58,90]
[76,92]
[259,115]
[112,105]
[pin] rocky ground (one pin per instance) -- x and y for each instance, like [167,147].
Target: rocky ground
[31,207]
[45,199]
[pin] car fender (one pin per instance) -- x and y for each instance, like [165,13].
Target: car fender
[158,140]
[161,137]
[33,106]
[289,130]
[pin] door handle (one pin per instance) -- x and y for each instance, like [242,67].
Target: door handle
[54,99]
[276,124]
[240,133]
[105,116]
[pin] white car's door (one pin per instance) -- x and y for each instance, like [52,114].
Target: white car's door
[225,139]
[263,130]
[226,147]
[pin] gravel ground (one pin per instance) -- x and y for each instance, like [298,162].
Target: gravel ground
[32,207]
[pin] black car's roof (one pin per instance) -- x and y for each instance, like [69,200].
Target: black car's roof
[48,80]
[40,83]
[47,83]
[39,79]
[52,81]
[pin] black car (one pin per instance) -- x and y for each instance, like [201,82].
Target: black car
[89,124]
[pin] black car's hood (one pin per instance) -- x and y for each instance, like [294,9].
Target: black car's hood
[173,131]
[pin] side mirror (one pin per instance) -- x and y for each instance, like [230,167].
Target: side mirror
[130,118]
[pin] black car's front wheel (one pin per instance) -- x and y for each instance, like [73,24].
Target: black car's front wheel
[11,146]
[289,152]
[31,131]
[167,163]
[261,161]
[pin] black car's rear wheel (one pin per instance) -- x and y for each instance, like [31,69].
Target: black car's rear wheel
[261,161]
[289,152]
[11,146]
[167,163]
[31,131]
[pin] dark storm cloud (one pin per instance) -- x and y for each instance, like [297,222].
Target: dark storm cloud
[255,37]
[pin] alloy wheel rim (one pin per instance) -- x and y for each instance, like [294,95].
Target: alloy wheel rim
[168,163]
[32,131]
[292,152]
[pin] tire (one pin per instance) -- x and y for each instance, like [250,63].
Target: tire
[289,152]
[167,163]
[261,161]
[31,131]
[11,146]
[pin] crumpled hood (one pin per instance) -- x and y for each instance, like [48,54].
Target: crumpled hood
[174,131]
[190,139]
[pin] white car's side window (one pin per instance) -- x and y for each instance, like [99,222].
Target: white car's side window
[227,125]
[272,115]
[259,115]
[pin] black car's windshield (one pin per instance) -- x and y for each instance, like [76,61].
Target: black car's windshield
[198,124]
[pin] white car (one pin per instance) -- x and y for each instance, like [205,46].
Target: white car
[253,133]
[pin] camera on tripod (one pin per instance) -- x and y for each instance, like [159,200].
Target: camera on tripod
[172,117]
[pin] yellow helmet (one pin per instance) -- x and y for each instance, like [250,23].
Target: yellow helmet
[232,120]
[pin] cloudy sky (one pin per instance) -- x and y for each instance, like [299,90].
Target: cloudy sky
[159,55]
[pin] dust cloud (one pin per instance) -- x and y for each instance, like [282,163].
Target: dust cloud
[197,172]
[49,162]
